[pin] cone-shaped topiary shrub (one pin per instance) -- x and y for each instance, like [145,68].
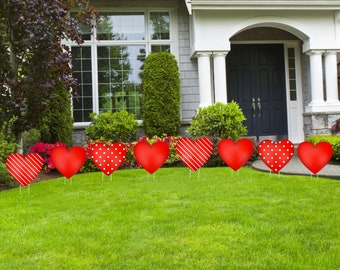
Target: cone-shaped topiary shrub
[161,95]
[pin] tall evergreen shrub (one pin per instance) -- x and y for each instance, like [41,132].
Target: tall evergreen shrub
[161,95]
[56,122]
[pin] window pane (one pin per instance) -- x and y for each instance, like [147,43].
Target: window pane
[160,48]
[82,102]
[121,26]
[159,25]
[119,81]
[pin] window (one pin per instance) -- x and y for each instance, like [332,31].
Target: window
[119,77]
[82,71]
[108,66]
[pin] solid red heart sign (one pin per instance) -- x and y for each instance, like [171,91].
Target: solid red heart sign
[235,154]
[68,162]
[315,157]
[107,158]
[151,157]
[276,155]
[194,154]
[24,169]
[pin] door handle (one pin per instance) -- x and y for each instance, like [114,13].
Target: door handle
[254,107]
[259,106]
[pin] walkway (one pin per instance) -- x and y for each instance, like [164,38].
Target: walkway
[296,167]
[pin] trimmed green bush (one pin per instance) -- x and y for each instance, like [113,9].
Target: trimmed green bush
[120,126]
[219,120]
[161,95]
[334,140]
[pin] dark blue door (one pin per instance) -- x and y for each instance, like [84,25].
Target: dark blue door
[256,80]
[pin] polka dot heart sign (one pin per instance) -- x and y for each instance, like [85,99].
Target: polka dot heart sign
[276,155]
[108,157]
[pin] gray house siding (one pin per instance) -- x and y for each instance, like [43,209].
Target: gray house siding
[188,68]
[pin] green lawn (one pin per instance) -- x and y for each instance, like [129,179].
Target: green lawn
[169,220]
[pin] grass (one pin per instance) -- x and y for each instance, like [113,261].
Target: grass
[219,220]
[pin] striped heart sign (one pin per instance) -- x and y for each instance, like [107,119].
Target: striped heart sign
[194,154]
[24,169]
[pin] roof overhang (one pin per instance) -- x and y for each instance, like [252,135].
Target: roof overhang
[188,3]
[262,5]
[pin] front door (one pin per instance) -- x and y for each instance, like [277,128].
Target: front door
[256,81]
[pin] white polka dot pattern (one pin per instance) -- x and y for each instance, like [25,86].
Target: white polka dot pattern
[276,155]
[108,158]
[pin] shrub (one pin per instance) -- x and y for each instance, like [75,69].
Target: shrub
[55,122]
[30,138]
[88,166]
[120,126]
[161,95]
[334,140]
[219,120]
[7,147]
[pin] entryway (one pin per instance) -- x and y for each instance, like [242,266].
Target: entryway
[256,80]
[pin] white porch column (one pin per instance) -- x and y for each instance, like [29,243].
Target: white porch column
[204,78]
[331,78]
[220,77]
[316,72]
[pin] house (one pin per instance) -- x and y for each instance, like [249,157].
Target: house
[277,59]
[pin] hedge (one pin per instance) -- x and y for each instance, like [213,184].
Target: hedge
[161,95]
[334,140]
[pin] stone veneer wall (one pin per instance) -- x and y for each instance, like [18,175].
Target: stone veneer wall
[315,123]
[319,123]
[79,136]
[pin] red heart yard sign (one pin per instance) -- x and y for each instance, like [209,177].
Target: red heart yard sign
[107,158]
[194,154]
[315,157]
[151,157]
[235,154]
[68,162]
[276,155]
[24,169]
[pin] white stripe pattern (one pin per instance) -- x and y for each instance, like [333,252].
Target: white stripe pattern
[24,169]
[194,154]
